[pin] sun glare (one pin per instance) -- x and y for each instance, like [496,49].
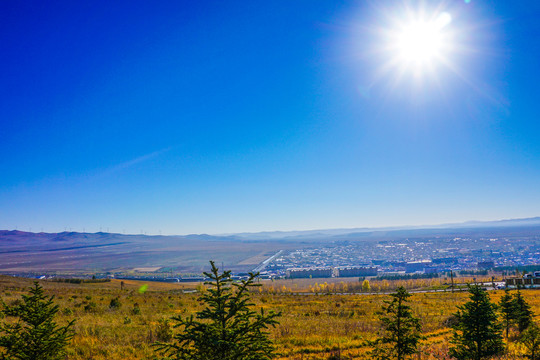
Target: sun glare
[419,43]
[423,41]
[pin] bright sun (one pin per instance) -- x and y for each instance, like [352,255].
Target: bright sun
[419,44]
[423,41]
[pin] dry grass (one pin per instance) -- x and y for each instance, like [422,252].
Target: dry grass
[311,326]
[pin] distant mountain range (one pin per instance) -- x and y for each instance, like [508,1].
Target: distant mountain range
[326,233]
[17,235]
[24,252]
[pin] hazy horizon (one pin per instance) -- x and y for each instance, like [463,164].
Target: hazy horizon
[286,231]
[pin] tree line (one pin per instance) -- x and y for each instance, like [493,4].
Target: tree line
[229,329]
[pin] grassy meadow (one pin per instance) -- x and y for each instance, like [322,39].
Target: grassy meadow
[311,326]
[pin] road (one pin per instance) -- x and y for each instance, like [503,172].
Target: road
[262,266]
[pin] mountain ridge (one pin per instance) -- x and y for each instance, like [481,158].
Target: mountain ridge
[279,234]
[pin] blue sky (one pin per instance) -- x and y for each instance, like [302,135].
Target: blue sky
[214,117]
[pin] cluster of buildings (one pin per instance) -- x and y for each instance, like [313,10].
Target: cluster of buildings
[405,256]
[528,281]
[326,272]
[424,266]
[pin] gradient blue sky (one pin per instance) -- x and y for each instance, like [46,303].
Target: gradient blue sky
[229,116]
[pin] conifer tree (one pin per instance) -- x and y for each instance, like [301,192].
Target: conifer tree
[522,312]
[33,335]
[401,328]
[507,309]
[227,328]
[477,333]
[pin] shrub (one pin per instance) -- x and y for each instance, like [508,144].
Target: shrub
[67,311]
[530,338]
[136,310]
[115,303]
[164,331]
[90,307]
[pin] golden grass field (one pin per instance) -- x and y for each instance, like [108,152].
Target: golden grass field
[311,326]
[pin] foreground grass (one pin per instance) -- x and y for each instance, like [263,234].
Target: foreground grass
[311,326]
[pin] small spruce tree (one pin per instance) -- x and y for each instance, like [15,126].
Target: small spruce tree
[506,307]
[401,328]
[522,312]
[477,332]
[227,328]
[33,335]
